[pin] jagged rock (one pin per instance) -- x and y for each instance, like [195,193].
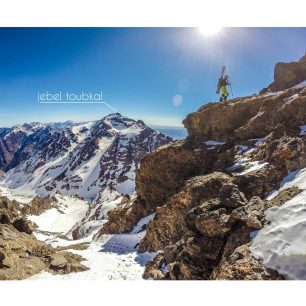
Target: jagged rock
[11,214]
[154,268]
[123,218]
[38,205]
[2,256]
[231,197]
[284,196]
[287,75]
[176,163]
[209,219]
[251,213]
[65,262]
[23,225]
[214,223]
[169,224]
[242,266]
[22,255]
[260,182]
[283,149]
[17,247]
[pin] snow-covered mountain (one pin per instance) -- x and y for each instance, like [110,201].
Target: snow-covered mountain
[76,158]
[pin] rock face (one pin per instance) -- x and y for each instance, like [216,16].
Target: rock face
[21,254]
[208,192]
[177,162]
[287,75]
[247,118]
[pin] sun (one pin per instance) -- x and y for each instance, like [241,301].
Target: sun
[209,30]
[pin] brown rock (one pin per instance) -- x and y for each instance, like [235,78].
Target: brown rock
[58,262]
[123,218]
[260,182]
[248,117]
[231,197]
[240,265]
[38,205]
[252,213]
[287,75]
[23,225]
[169,224]
[153,269]
[213,224]
[284,196]
[163,172]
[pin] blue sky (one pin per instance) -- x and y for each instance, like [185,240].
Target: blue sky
[139,70]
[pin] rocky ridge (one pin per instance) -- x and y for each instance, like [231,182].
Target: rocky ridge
[209,192]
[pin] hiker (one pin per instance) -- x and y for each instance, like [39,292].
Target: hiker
[222,83]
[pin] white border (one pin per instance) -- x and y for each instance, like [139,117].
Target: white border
[152,13]
[147,293]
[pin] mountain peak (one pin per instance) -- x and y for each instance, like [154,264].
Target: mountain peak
[118,121]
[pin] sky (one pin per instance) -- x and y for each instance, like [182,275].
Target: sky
[158,75]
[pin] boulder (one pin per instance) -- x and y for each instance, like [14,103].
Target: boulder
[58,262]
[164,172]
[287,75]
[251,214]
[169,224]
[231,197]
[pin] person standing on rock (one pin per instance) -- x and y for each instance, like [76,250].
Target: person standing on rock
[222,87]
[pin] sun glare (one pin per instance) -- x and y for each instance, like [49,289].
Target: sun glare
[209,30]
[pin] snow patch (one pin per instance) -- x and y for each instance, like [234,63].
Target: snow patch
[213,143]
[281,243]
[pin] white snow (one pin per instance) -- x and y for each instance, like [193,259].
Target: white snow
[281,243]
[302,84]
[242,149]
[258,141]
[113,257]
[213,143]
[12,194]
[253,166]
[69,211]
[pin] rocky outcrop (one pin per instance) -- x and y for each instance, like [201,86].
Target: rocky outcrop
[197,228]
[177,162]
[21,254]
[10,214]
[123,218]
[170,222]
[246,118]
[287,75]
[38,205]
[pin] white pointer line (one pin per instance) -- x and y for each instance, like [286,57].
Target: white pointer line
[78,102]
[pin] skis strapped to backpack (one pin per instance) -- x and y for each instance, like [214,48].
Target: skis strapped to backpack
[223,72]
